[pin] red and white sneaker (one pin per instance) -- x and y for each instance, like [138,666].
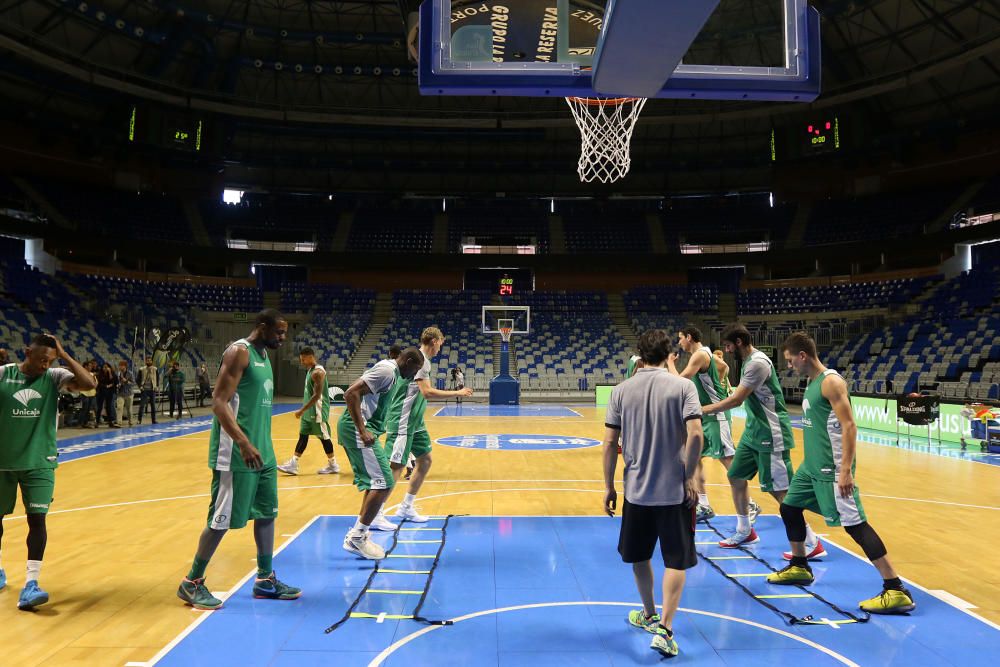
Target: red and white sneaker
[817,552]
[740,540]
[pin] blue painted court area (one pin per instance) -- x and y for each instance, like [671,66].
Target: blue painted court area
[506,411]
[101,441]
[553,591]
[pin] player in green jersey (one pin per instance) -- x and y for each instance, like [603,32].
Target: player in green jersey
[702,368]
[241,455]
[407,433]
[763,449]
[634,363]
[314,416]
[824,483]
[29,415]
[360,425]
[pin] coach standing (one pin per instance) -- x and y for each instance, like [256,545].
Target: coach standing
[658,418]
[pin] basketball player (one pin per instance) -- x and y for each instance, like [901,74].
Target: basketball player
[314,416]
[405,424]
[763,450]
[634,363]
[29,413]
[702,369]
[824,483]
[241,455]
[394,351]
[360,425]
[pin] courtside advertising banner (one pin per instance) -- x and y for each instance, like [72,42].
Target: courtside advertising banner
[879,414]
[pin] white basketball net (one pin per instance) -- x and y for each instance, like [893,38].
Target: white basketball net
[605,135]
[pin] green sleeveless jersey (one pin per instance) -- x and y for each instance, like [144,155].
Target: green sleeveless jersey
[381,380]
[710,387]
[252,406]
[632,363]
[319,413]
[405,415]
[768,427]
[823,434]
[29,415]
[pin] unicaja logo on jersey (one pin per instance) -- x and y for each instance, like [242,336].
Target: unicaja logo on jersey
[805,413]
[24,397]
[268,392]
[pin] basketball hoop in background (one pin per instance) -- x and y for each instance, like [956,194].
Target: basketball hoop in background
[506,327]
[606,126]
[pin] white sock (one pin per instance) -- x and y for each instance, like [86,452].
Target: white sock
[408,499]
[742,523]
[34,569]
[332,458]
[360,527]
[295,458]
[703,499]
[811,538]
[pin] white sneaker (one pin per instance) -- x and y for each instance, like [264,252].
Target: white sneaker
[754,511]
[290,467]
[362,545]
[331,468]
[381,523]
[410,513]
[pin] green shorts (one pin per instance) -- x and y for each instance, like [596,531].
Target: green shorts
[238,497]
[371,467]
[823,497]
[399,447]
[319,429]
[37,487]
[718,438]
[774,468]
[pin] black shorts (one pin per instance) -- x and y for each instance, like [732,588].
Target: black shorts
[672,525]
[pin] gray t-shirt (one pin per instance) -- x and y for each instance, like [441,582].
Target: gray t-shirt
[652,409]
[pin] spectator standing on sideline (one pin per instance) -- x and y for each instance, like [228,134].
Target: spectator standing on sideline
[107,393]
[657,417]
[88,405]
[175,388]
[126,390]
[147,389]
[204,387]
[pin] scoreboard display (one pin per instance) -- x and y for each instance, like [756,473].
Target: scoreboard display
[165,128]
[506,285]
[823,135]
[817,136]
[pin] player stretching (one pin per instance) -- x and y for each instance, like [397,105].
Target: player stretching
[358,430]
[241,455]
[405,424]
[314,416]
[702,369]
[29,413]
[824,483]
[767,437]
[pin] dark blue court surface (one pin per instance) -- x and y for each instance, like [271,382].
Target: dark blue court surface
[506,411]
[552,591]
[105,440]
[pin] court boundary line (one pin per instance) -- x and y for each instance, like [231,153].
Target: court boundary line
[205,615]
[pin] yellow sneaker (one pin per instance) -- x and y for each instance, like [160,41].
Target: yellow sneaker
[791,575]
[889,601]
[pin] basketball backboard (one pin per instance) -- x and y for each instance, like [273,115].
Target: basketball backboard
[518,318]
[740,50]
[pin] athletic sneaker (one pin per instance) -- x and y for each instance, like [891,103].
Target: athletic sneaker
[383,524]
[31,596]
[889,601]
[410,513]
[791,575]
[812,554]
[3,579]
[738,539]
[271,589]
[289,467]
[754,511]
[664,643]
[637,619]
[704,513]
[331,468]
[194,592]
[362,545]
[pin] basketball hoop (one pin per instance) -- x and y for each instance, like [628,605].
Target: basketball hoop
[505,333]
[605,135]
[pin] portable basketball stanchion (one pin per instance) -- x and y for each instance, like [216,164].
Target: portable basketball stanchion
[606,126]
[504,389]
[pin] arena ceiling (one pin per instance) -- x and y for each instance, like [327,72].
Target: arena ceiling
[286,72]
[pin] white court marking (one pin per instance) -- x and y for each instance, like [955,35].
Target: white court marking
[388,651]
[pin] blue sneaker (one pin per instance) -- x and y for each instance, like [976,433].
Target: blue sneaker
[3,579]
[32,596]
[270,588]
